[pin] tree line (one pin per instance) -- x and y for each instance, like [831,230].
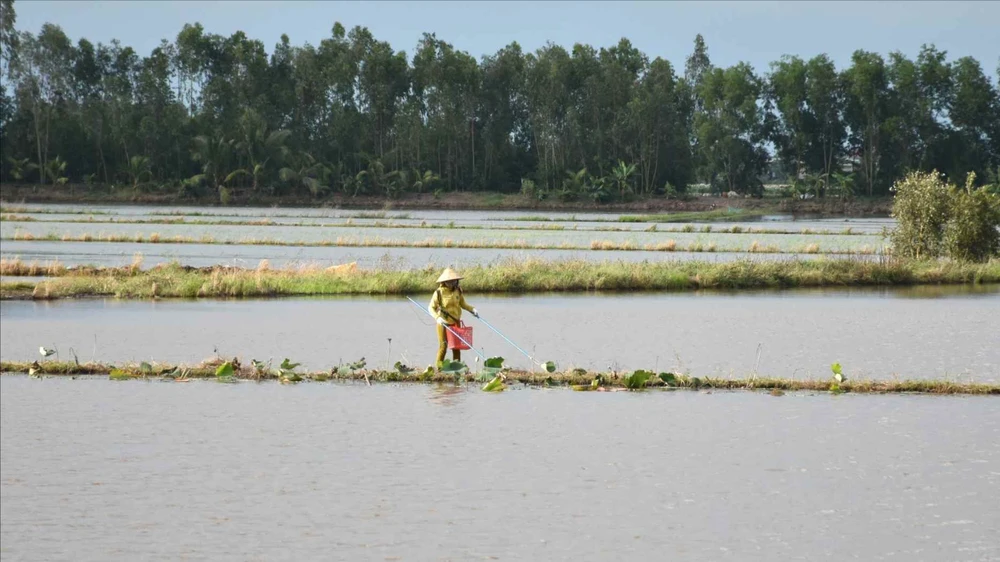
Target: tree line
[209,114]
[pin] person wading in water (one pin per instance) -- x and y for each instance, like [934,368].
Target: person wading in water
[446,306]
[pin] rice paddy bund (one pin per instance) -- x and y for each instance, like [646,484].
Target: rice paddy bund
[667,245]
[233,370]
[528,276]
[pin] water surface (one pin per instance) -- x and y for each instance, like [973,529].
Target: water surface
[920,333]
[95,470]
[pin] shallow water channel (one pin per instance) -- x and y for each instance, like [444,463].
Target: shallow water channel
[94,470]
[919,333]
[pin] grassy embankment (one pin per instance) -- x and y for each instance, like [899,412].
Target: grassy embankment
[349,223]
[81,194]
[530,276]
[576,379]
[668,245]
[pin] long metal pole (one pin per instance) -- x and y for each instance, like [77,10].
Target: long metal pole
[490,326]
[449,329]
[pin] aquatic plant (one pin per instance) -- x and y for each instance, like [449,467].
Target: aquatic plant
[495,385]
[637,380]
[456,368]
[351,367]
[838,378]
[493,367]
[225,371]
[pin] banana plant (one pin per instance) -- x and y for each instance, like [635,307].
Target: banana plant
[424,181]
[20,168]
[621,177]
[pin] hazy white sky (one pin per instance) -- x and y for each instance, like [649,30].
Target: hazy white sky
[756,32]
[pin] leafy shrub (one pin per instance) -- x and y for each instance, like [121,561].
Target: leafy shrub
[936,218]
[921,209]
[971,233]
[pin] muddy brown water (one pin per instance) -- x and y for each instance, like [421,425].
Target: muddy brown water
[919,333]
[94,470]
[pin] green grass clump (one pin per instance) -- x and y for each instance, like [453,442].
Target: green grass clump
[719,215]
[513,276]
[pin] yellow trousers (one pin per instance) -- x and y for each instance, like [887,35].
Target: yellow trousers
[443,346]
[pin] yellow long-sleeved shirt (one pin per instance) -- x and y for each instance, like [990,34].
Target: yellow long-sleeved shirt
[451,301]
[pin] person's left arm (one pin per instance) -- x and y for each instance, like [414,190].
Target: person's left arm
[468,306]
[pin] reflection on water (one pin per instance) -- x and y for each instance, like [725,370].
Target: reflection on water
[447,394]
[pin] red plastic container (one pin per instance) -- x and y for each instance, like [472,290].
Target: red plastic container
[461,330]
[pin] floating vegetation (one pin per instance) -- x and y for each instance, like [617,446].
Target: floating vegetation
[512,276]
[578,379]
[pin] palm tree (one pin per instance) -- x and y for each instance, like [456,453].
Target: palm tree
[375,177]
[425,181]
[574,184]
[139,167]
[214,153]
[54,170]
[19,168]
[261,147]
[621,175]
[309,173]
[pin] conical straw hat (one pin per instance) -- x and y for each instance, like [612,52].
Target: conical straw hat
[449,274]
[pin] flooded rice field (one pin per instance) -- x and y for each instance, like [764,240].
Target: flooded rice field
[349,235]
[371,235]
[250,255]
[917,333]
[167,211]
[94,470]
[98,470]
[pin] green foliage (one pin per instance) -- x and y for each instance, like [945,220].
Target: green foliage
[457,368]
[838,378]
[213,115]
[668,379]
[351,368]
[921,209]
[971,232]
[493,367]
[224,370]
[495,385]
[637,380]
[120,375]
[935,218]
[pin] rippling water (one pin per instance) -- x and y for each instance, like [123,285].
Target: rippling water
[98,470]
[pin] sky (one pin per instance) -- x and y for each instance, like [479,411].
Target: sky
[754,32]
